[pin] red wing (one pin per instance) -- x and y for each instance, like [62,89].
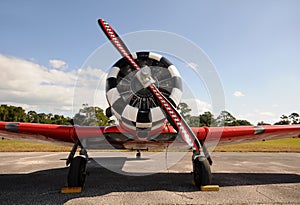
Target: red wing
[33,130]
[226,135]
[240,134]
[94,135]
[62,133]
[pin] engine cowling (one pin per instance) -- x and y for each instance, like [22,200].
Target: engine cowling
[131,102]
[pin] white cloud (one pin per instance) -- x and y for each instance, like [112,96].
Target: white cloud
[90,88]
[197,106]
[258,116]
[35,87]
[58,64]
[267,117]
[238,94]
[268,114]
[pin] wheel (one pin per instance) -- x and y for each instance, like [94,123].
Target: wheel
[202,172]
[77,172]
[138,155]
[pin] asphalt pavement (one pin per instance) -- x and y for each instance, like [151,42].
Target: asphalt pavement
[244,178]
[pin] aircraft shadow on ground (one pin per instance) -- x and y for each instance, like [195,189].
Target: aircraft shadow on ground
[44,186]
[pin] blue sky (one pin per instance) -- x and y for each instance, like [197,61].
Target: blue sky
[254,45]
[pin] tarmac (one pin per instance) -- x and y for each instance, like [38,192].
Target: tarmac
[244,178]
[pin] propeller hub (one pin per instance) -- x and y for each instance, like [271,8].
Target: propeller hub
[141,81]
[144,76]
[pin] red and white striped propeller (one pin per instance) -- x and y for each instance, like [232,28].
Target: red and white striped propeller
[173,116]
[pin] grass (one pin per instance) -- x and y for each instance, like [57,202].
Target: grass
[24,146]
[280,145]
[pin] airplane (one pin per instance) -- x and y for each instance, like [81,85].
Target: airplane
[143,91]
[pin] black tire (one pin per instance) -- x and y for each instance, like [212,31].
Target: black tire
[202,172]
[77,172]
[138,155]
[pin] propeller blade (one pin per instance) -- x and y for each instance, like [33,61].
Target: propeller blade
[117,42]
[172,114]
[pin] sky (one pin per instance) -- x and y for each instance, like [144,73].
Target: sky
[254,46]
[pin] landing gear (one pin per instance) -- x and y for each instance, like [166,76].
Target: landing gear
[138,154]
[201,170]
[77,170]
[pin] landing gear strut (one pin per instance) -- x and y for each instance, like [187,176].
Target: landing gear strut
[77,170]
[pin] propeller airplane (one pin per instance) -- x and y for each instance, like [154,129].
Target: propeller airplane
[143,90]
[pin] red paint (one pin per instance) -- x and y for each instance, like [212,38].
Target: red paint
[226,135]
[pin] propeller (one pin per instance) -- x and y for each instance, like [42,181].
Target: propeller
[148,84]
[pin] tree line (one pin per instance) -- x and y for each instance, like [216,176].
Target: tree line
[293,118]
[227,119]
[86,116]
[207,118]
[18,114]
[94,116]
